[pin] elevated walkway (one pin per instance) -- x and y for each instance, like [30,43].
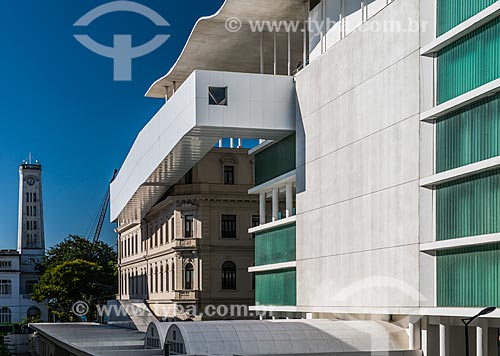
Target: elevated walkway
[189,125]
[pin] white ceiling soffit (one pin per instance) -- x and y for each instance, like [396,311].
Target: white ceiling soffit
[212,47]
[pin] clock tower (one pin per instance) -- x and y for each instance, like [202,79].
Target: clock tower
[30,237]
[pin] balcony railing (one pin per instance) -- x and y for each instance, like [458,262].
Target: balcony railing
[186,294]
[185,243]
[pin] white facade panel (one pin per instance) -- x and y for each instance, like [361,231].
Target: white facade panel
[358,144]
[187,127]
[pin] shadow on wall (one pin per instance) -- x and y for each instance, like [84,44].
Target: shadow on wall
[137,286]
[300,153]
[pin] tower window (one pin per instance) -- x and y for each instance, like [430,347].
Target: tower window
[217,96]
[34,197]
[228,174]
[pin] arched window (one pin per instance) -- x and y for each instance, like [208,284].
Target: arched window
[33,312]
[5,315]
[188,276]
[228,275]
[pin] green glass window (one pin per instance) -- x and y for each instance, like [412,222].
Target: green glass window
[469,135]
[275,161]
[469,206]
[469,63]
[451,13]
[469,277]
[276,288]
[275,246]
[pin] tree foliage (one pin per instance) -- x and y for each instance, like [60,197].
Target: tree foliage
[79,248]
[76,270]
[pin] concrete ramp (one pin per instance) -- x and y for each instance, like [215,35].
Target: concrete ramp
[130,314]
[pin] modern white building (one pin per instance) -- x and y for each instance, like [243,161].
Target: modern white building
[378,180]
[18,274]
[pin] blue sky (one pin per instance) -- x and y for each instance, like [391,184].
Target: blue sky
[59,101]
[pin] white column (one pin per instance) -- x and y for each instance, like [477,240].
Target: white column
[289,53]
[262,208]
[240,142]
[289,200]
[275,54]
[261,53]
[411,332]
[482,340]
[231,142]
[479,341]
[220,143]
[275,200]
[443,340]
[423,337]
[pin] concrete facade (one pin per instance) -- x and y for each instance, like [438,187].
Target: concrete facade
[360,196]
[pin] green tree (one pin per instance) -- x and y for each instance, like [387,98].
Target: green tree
[76,247]
[76,270]
[3,348]
[70,282]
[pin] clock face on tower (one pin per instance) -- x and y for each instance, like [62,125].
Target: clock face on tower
[30,180]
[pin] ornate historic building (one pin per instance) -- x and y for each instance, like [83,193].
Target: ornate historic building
[193,247]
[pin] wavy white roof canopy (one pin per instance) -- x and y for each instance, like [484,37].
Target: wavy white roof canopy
[212,47]
[287,337]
